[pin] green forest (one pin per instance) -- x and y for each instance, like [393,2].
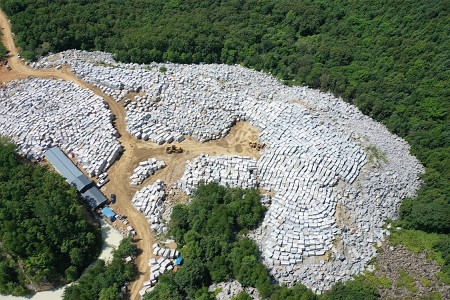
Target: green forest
[104,281]
[206,232]
[3,50]
[45,235]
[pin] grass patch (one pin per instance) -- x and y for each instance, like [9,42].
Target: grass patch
[378,281]
[375,155]
[444,277]
[417,241]
[432,296]
[217,291]
[105,64]
[425,281]
[406,281]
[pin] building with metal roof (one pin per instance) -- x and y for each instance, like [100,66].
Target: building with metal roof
[75,177]
[94,197]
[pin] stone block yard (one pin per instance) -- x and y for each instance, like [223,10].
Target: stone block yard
[331,192]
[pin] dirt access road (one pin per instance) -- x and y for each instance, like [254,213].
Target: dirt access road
[135,151]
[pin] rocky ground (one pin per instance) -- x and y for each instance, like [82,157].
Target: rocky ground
[412,276]
[228,290]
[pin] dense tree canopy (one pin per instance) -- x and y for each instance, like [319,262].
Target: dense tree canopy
[389,58]
[3,51]
[45,236]
[355,289]
[207,229]
[103,281]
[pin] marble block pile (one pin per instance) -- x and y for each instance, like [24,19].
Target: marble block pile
[42,113]
[145,169]
[304,162]
[158,266]
[234,171]
[149,200]
[165,252]
[230,289]
[202,101]
[362,203]
[329,201]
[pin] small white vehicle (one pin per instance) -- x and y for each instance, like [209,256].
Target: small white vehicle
[102,182]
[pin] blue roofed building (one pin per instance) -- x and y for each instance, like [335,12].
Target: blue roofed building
[75,177]
[109,213]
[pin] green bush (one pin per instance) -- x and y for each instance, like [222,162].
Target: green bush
[407,281]
[354,289]
[103,281]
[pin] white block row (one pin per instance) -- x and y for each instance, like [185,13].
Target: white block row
[234,171]
[149,200]
[145,169]
[40,113]
[165,252]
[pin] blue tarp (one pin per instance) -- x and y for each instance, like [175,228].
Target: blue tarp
[179,261]
[109,213]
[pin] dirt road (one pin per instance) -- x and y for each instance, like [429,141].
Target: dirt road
[135,151]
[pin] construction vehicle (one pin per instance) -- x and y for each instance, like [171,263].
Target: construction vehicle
[256,145]
[173,149]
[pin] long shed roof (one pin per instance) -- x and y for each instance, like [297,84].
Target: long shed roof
[74,176]
[62,164]
[94,197]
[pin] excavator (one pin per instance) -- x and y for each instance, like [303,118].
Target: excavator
[173,149]
[256,145]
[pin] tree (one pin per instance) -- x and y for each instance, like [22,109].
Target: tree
[43,225]
[109,293]
[242,296]
[103,281]
[71,273]
[165,289]
[355,289]
[191,276]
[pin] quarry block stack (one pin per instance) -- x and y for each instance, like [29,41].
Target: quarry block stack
[331,195]
[145,169]
[149,200]
[41,113]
